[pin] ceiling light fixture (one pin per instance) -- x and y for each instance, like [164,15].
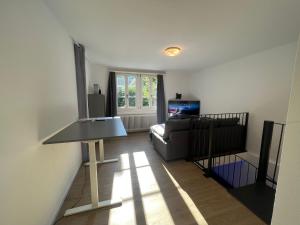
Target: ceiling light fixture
[172,51]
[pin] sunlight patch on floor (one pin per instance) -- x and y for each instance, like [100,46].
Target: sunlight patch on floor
[140,159]
[154,207]
[147,181]
[124,161]
[188,201]
[122,182]
[153,201]
[122,188]
[124,215]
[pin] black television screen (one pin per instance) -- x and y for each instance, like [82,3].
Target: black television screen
[182,107]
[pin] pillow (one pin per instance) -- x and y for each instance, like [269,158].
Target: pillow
[159,129]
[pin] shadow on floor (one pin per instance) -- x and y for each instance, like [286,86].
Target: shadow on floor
[153,191]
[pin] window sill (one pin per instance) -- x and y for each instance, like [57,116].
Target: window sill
[136,112]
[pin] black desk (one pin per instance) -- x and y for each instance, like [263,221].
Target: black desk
[91,131]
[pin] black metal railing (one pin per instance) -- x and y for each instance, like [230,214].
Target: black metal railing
[281,127]
[234,170]
[231,170]
[269,175]
[218,134]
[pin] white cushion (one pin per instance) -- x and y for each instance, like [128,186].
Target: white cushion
[158,129]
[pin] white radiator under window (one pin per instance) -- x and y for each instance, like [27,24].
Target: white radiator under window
[138,122]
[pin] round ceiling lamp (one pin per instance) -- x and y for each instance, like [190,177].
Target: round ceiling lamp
[172,51]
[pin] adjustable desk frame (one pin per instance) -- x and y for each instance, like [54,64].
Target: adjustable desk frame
[101,155]
[90,131]
[95,203]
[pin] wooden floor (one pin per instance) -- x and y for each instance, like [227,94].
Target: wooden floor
[153,191]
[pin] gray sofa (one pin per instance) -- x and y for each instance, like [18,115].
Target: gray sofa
[171,140]
[189,138]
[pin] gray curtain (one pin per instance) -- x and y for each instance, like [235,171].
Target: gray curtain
[161,102]
[111,102]
[79,52]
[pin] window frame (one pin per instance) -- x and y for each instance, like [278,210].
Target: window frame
[139,108]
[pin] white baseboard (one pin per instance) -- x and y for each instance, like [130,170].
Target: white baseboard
[65,194]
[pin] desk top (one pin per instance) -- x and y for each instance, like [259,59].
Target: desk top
[89,129]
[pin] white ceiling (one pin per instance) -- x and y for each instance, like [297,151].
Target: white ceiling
[133,33]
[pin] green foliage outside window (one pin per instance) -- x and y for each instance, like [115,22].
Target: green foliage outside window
[148,89]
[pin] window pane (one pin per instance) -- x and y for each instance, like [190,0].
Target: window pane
[154,102]
[120,80]
[146,90]
[121,86]
[146,102]
[132,85]
[131,101]
[153,91]
[146,86]
[121,91]
[121,101]
[154,86]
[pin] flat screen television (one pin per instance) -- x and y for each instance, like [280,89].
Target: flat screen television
[183,108]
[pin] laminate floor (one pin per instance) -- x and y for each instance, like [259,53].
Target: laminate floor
[153,191]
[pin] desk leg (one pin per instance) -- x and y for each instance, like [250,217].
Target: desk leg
[101,155]
[94,188]
[93,174]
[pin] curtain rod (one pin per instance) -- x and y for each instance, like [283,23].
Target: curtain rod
[129,72]
[135,71]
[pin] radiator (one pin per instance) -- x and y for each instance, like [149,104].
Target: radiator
[138,122]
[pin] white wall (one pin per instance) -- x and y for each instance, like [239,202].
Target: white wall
[258,84]
[99,75]
[175,81]
[287,199]
[37,97]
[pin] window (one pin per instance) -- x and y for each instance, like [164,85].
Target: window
[136,93]
[149,87]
